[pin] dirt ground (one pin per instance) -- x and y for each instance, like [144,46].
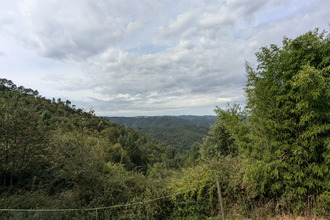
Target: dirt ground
[292,217]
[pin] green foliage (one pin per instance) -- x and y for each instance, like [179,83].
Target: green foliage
[323,204]
[182,137]
[163,121]
[282,136]
[288,102]
[201,199]
[204,120]
[72,159]
[145,122]
[272,157]
[177,131]
[229,132]
[22,147]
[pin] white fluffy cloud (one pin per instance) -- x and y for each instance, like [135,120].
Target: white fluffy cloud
[151,57]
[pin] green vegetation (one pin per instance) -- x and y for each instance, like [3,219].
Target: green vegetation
[288,103]
[146,122]
[181,132]
[204,120]
[282,136]
[163,121]
[55,156]
[272,157]
[179,137]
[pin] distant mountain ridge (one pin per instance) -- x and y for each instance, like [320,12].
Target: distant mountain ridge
[163,121]
[200,120]
[178,131]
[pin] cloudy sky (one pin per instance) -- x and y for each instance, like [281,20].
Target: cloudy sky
[145,57]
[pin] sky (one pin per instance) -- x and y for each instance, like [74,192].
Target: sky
[145,57]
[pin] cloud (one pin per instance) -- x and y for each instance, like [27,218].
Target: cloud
[6,17]
[187,75]
[79,29]
[155,57]
[212,20]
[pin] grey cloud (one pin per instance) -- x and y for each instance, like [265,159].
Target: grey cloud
[148,57]
[303,18]
[188,69]
[243,10]
[6,17]
[79,29]
[212,20]
[183,22]
[182,72]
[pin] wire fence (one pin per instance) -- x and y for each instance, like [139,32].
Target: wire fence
[96,209]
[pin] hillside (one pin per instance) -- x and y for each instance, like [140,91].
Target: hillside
[182,137]
[145,122]
[202,120]
[54,155]
[163,121]
[271,157]
[177,131]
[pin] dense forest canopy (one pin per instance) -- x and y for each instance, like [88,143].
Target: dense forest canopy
[181,132]
[164,121]
[272,157]
[145,122]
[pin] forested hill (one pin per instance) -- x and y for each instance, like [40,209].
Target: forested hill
[163,121]
[272,158]
[177,131]
[28,117]
[203,120]
[53,155]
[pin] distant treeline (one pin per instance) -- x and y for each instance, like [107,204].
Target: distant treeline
[163,121]
[183,137]
[177,131]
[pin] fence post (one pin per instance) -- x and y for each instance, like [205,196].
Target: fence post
[220,198]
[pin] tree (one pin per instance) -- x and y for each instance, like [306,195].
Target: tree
[288,99]
[229,135]
[22,137]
